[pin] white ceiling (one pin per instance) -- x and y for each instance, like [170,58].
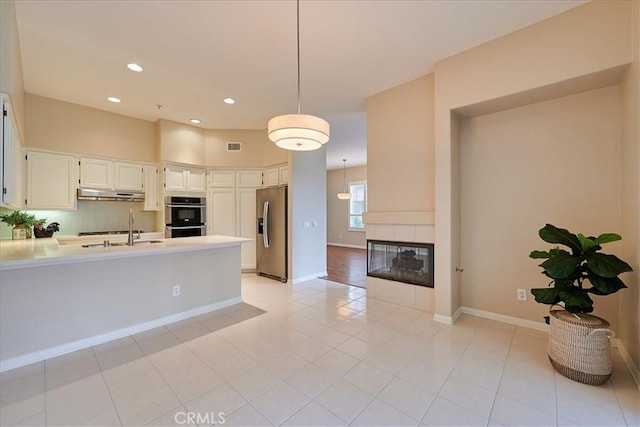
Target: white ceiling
[195,53]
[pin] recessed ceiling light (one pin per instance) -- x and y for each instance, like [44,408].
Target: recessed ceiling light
[195,121]
[113,99]
[134,67]
[229,101]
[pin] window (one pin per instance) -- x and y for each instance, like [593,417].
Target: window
[357,205]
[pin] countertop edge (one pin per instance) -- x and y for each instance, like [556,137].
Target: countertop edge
[106,254]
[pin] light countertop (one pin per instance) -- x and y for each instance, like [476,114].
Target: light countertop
[16,254]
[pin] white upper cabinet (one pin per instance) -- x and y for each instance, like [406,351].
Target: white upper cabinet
[151,196]
[196,180]
[51,181]
[11,159]
[175,178]
[276,175]
[178,179]
[105,174]
[283,175]
[222,179]
[96,173]
[249,178]
[129,176]
[271,176]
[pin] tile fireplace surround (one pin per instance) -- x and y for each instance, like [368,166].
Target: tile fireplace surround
[405,294]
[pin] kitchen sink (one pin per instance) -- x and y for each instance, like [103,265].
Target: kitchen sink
[135,243]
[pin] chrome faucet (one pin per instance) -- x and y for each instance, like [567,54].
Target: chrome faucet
[130,237]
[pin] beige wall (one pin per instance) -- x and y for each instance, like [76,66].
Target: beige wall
[11,78]
[338,210]
[181,143]
[584,40]
[400,148]
[257,149]
[555,161]
[630,178]
[61,126]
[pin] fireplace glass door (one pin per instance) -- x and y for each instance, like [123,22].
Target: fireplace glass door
[401,262]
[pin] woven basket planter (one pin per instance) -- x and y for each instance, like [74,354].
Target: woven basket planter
[579,347]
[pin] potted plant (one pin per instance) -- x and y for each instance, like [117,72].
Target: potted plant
[578,342]
[22,223]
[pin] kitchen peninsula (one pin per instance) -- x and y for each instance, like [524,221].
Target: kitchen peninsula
[57,298]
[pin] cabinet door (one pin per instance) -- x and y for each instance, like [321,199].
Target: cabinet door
[247,222]
[271,176]
[251,178]
[11,159]
[96,173]
[221,211]
[129,176]
[196,180]
[222,178]
[175,178]
[51,181]
[283,175]
[151,196]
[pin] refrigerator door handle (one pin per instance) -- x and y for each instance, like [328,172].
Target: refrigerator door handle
[265,231]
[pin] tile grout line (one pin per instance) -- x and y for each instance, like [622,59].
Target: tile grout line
[115,409]
[495,395]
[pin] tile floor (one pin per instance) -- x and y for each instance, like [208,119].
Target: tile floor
[321,354]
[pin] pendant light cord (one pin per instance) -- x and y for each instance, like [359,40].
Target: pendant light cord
[298,41]
[344,176]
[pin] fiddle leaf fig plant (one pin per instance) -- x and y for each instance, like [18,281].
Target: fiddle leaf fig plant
[579,271]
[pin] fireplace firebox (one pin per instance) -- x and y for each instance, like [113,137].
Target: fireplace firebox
[401,262]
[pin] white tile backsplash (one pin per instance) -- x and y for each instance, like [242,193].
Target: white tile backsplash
[404,294]
[404,233]
[401,232]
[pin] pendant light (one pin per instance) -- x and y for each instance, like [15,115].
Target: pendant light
[344,195]
[298,132]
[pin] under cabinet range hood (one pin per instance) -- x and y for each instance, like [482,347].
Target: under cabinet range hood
[119,196]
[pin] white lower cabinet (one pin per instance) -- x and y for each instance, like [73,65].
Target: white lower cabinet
[221,211]
[231,211]
[246,223]
[51,181]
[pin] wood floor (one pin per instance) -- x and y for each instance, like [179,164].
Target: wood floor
[347,265]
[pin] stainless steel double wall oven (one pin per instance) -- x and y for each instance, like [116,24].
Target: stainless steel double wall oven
[185,216]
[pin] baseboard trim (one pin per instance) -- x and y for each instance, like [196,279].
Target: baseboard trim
[448,320]
[531,324]
[633,369]
[540,326]
[347,246]
[38,356]
[298,280]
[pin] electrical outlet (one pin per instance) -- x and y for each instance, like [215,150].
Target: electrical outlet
[521,294]
[175,290]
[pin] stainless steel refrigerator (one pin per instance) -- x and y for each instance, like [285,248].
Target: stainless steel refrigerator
[271,239]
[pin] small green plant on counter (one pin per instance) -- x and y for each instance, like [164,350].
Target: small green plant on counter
[19,218]
[572,272]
